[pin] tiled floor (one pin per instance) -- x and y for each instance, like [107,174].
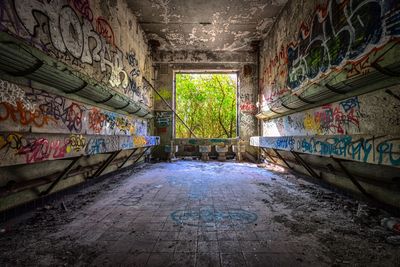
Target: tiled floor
[191,213]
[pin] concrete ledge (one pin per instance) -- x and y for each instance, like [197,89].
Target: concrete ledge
[381,150]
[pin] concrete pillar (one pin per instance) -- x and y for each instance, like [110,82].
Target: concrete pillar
[221,150]
[204,150]
[239,150]
[171,150]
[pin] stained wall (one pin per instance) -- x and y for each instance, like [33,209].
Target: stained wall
[330,90]
[96,42]
[243,63]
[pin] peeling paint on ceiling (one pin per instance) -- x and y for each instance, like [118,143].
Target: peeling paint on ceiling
[219,25]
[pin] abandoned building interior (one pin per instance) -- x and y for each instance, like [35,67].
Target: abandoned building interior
[93,171]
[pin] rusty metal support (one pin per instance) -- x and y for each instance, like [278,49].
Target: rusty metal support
[266,152]
[305,165]
[60,177]
[105,164]
[141,155]
[353,179]
[169,106]
[126,160]
[282,158]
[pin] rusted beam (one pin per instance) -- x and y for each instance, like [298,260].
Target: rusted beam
[60,177]
[105,164]
[266,152]
[169,106]
[126,160]
[282,158]
[353,179]
[305,165]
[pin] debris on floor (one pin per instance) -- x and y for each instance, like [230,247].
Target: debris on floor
[191,213]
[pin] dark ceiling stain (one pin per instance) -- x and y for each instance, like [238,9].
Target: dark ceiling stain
[220,25]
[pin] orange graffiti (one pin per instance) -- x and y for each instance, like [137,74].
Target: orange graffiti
[19,114]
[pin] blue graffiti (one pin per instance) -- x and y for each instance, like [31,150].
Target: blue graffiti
[208,217]
[388,148]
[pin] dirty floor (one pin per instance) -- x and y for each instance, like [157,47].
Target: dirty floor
[191,213]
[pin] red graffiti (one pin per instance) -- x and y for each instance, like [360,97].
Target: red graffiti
[275,75]
[21,115]
[105,30]
[96,120]
[248,107]
[41,149]
[83,7]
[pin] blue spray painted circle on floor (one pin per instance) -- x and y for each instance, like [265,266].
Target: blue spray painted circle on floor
[208,217]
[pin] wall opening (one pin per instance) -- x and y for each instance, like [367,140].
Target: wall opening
[207,103]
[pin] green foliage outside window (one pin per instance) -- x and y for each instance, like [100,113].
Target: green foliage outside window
[207,104]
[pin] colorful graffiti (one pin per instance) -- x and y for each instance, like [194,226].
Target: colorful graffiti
[23,148]
[57,114]
[342,117]
[248,103]
[350,35]
[69,31]
[163,119]
[363,148]
[334,119]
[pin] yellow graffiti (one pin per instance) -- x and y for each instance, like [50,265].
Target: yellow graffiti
[139,141]
[312,123]
[76,142]
[13,141]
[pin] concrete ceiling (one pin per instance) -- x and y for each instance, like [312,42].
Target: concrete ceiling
[218,25]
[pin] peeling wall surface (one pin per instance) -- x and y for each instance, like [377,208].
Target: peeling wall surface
[330,93]
[97,39]
[99,43]
[203,25]
[244,63]
[328,45]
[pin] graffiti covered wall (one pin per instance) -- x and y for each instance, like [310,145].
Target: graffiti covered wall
[38,126]
[328,41]
[372,113]
[82,34]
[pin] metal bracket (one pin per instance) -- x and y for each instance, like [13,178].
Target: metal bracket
[28,71]
[333,89]
[60,177]
[266,152]
[385,71]
[126,160]
[281,158]
[141,155]
[389,92]
[275,111]
[283,105]
[105,100]
[80,88]
[135,111]
[105,164]
[305,100]
[305,165]
[353,179]
[127,104]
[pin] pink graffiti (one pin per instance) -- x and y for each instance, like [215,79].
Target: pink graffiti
[248,107]
[105,30]
[41,149]
[83,7]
